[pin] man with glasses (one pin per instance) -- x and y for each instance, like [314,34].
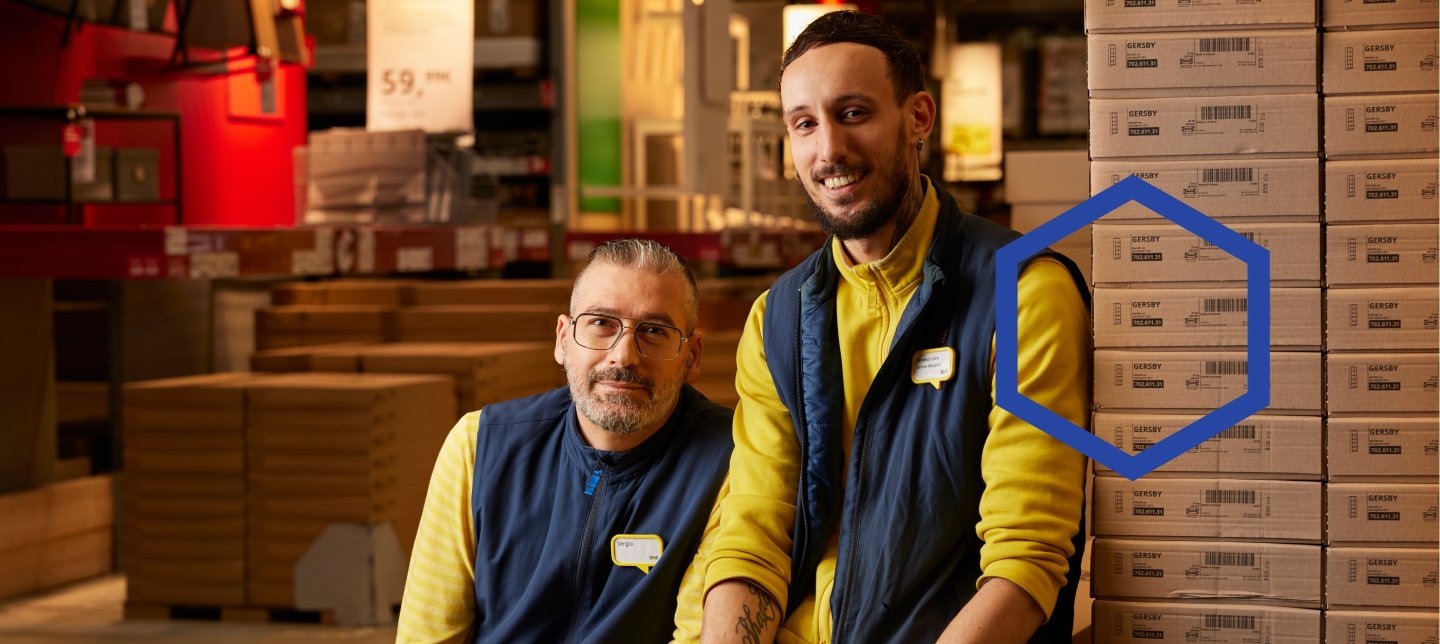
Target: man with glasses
[573,514]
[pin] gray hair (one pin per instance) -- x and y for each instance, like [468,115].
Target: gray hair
[647,256]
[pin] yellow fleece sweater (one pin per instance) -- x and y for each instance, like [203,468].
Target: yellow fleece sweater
[1034,484]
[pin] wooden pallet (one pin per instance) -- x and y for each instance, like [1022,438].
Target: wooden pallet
[135,610]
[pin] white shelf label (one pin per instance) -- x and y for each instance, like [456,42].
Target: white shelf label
[420,65]
[472,247]
[214,265]
[414,259]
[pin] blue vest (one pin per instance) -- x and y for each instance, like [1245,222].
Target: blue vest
[545,506]
[909,557]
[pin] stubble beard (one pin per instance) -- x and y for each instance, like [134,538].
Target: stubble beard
[869,219]
[619,413]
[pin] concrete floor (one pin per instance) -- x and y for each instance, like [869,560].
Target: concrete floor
[92,611]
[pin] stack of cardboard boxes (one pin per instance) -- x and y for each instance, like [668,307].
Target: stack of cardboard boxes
[231,478]
[1217,105]
[1041,184]
[1379,81]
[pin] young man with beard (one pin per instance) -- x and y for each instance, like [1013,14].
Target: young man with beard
[535,503]
[876,492]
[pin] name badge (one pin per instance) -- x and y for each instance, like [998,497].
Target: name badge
[636,550]
[933,366]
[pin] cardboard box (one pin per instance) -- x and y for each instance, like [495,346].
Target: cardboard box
[344,356]
[1390,383]
[553,293]
[1382,513]
[1201,381]
[1254,189]
[1382,190]
[1358,13]
[55,534]
[1273,447]
[484,373]
[1202,63]
[1379,125]
[1165,253]
[1117,622]
[1194,318]
[1380,61]
[376,292]
[1208,508]
[1258,573]
[1046,176]
[1177,127]
[1386,578]
[286,326]
[1382,319]
[1381,254]
[1148,15]
[1381,626]
[491,323]
[1385,448]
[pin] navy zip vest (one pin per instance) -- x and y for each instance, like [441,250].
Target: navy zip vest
[545,506]
[909,557]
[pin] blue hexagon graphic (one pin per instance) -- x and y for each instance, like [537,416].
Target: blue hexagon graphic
[1007,268]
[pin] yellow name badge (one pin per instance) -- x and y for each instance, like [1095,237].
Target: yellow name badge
[636,550]
[933,366]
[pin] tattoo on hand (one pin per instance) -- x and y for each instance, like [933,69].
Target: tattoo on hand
[752,624]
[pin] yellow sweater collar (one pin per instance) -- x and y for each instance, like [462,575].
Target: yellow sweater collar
[902,266]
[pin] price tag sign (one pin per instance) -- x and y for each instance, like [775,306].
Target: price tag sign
[421,65]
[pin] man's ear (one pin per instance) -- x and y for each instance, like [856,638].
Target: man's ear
[920,113]
[695,347]
[561,325]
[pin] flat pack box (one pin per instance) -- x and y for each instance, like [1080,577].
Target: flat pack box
[1149,15]
[1380,61]
[1119,622]
[1371,13]
[1046,176]
[1201,381]
[341,356]
[1202,63]
[1371,190]
[1209,508]
[484,372]
[1285,124]
[1388,383]
[1165,253]
[1382,319]
[1251,573]
[1382,254]
[1225,189]
[372,292]
[1381,577]
[1272,447]
[1380,125]
[547,292]
[1382,513]
[478,323]
[1365,627]
[1199,318]
[1385,448]
[56,534]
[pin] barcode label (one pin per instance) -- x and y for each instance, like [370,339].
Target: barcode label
[1216,45]
[1230,496]
[1224,304]
[1230,621]
[1227,175]
[1224,112]
[1239,431]
[1246,559]
[1226,368]
[1250,236]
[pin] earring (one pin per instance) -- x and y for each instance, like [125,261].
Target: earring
[919,145]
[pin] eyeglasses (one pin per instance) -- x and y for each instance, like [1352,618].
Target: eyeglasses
[602,332]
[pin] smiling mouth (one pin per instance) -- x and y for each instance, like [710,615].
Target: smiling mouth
[840,181]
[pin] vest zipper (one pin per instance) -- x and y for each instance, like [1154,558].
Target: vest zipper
[596,494]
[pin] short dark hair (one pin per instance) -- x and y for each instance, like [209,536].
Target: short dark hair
[907,74]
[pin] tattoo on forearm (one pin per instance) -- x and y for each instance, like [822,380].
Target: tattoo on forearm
[752,624]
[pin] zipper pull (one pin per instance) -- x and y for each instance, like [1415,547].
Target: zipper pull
[594,480]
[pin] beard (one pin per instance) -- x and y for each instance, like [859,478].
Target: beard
[619,413]
[865,221]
